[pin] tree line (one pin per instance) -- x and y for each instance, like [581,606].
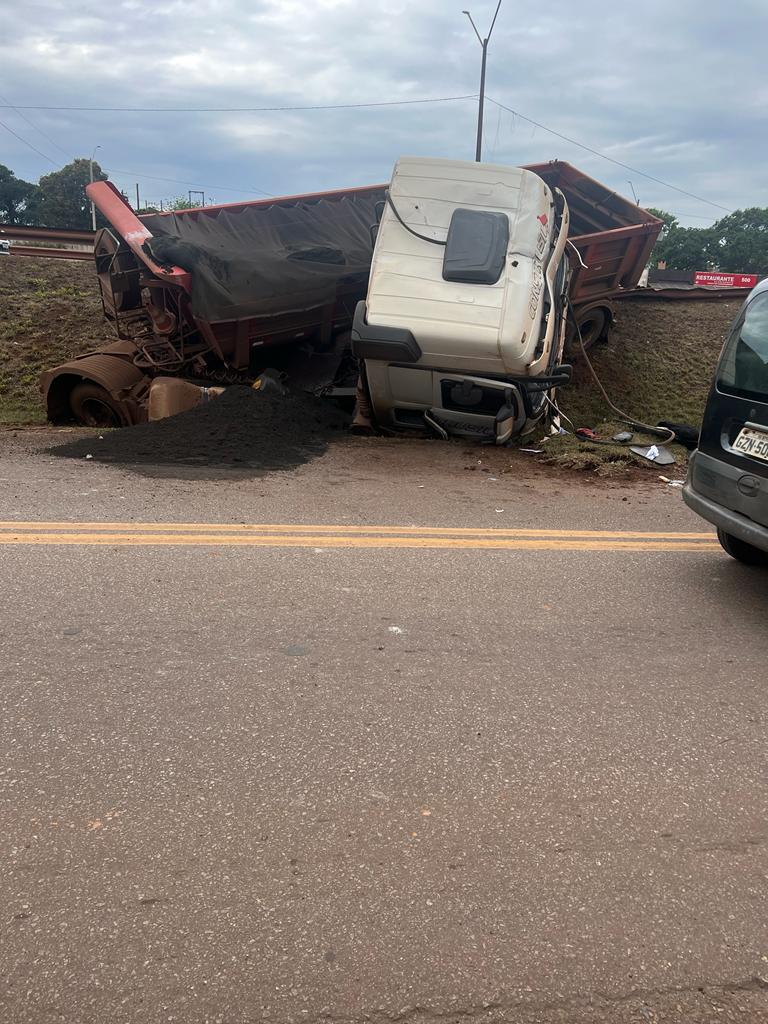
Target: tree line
[735,244]
[58,199]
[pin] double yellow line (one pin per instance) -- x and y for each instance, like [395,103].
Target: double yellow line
[313,536]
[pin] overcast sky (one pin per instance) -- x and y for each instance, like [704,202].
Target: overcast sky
[674,88]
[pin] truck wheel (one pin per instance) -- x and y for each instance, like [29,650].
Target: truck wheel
[95,407]
[592,328]
[741,551]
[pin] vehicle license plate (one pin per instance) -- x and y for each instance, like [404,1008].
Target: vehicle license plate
[752,442]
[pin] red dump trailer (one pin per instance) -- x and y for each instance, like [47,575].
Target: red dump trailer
[216,294]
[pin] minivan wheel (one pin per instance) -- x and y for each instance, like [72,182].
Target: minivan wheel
[739,549]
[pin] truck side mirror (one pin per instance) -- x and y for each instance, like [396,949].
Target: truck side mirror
[379,209]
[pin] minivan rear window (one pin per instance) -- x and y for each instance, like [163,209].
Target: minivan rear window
[744,365]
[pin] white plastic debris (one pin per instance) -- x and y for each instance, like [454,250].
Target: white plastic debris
[657,453]
[89,456]
[395,629]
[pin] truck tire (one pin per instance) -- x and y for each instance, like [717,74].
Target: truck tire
[741,550]
[93,406]
[593,327]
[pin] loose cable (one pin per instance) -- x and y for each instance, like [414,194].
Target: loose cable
[668,435]
[424,238]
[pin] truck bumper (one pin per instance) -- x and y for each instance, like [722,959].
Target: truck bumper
[405,398]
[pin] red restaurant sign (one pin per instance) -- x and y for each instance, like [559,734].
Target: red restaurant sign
[709,280]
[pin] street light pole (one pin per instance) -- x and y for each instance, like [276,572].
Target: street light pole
[481,105]
[93,208]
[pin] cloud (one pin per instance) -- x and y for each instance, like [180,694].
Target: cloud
[673,90]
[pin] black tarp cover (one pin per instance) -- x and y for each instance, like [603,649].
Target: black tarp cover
[254,261]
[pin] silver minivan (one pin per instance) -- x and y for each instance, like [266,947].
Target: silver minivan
[728,474]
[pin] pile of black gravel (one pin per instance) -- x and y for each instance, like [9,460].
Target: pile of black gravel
[243,429]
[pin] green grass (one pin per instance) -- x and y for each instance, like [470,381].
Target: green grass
[657,365]
[50,310]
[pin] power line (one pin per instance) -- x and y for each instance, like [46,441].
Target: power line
[33,125]
[241,110]
[19,137]
[596,152]
[194,184]
[148,177]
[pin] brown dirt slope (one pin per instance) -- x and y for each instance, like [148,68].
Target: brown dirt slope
[50,310]
[657,365]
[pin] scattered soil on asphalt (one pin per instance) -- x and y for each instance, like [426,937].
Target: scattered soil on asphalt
[50,311]
[246,430]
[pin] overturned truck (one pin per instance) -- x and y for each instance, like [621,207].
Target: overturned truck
[216,294]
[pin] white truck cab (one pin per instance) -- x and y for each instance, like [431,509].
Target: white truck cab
[463,326]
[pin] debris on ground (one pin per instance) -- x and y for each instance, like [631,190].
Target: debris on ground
[605,457]
[587,434]
[685,433]
[654,453]
[256,431]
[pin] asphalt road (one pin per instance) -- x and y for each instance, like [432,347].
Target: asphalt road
[365,776]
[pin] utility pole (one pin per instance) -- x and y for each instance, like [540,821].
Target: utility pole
[138,202]
[481,105]
[93,208]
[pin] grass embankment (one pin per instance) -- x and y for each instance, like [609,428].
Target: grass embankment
[50,310]
[657,365]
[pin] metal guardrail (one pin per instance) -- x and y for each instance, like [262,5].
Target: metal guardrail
[22,232]
[45,252]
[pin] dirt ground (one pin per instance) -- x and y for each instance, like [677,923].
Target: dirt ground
[50,310]
[657,365]
[242,430]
